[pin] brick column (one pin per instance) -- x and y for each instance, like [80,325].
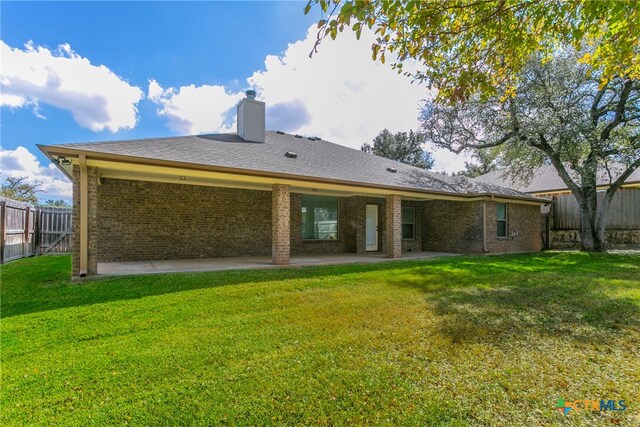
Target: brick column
[393,229]
[280,224]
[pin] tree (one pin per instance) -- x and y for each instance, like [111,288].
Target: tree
[464,47]
[560,114]
[403,147]
[485,161]
[18,188]
[59,203]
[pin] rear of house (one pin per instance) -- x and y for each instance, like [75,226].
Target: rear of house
[561,217]
[265,193]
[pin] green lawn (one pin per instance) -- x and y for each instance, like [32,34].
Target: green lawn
[492,340]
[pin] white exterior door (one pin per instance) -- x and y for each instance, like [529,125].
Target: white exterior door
[372,228]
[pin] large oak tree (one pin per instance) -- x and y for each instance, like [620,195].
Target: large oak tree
[561,113]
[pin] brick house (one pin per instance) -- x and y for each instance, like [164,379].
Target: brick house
[261,193]
[562,215]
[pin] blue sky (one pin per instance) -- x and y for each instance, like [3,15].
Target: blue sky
[102,71]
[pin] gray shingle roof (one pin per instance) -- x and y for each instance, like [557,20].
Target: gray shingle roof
[315,158]
[546,178]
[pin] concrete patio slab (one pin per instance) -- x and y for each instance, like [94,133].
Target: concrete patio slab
[240,263]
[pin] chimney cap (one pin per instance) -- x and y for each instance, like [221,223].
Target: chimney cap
[251,94]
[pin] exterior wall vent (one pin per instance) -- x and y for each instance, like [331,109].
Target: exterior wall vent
[392,170]
[291,155]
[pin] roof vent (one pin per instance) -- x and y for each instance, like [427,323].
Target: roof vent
[310,138]
[298,136]
[318,138]
[279,132]
[291,155]
[392,170]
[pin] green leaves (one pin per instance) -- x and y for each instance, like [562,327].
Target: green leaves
[404,147]
[476,47]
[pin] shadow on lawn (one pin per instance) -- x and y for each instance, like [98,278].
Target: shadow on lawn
[483,305]
[29,289]
[455,285]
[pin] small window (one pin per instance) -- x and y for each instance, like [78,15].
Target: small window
[408,223]
[501,217]
[319,218]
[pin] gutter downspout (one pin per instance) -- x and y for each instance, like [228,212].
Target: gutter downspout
[84,216]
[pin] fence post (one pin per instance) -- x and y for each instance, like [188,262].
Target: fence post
[3,227]
[27,219]
[36,232]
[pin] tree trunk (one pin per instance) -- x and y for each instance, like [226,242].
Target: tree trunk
[587,231]
[601,222]
[592,214]
[592,221]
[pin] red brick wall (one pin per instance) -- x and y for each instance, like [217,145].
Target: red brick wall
[523,229]
[140,220]
[137,220]
[450,226]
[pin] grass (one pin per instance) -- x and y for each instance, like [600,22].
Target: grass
[492,340]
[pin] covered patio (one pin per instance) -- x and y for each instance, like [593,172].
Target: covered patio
[107,269]
[216,202]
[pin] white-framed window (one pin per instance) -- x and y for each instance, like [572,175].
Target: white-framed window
[319,218]
[501,219]
[408,222]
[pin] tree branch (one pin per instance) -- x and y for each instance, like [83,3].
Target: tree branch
[543,144]
[495,143]
[619,112]
[595,106]
[621,179]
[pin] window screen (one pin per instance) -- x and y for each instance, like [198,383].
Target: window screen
[319,218]
[501,217]
[408,223]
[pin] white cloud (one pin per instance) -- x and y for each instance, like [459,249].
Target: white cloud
[97,98]
[339,94]
[155,91]
[21,162]
[196,109]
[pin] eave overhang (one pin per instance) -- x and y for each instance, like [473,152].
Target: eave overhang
[142,168]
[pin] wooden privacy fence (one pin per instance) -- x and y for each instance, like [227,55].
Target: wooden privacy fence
[54,230]
[18,229]
[624,211]
[26,230]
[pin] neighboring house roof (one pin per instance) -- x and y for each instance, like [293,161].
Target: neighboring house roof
[546,179]
[316,158]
